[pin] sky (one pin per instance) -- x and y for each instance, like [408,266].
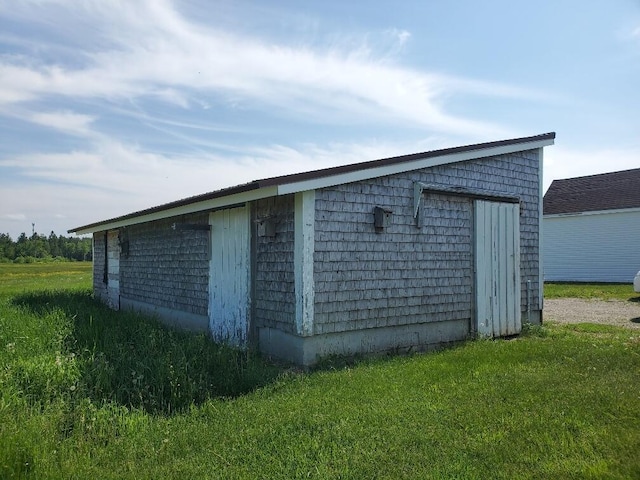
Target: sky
[109,107]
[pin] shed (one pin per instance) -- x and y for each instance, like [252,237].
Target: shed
[394,254]
[592,227]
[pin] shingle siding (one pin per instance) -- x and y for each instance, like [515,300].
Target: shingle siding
[99,285]
[407,274]
[166,267]
[274,276]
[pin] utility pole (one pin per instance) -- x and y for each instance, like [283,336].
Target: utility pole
[33,229]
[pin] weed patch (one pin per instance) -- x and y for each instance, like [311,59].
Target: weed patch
[129,359]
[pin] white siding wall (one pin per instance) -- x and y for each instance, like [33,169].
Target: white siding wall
[601,247]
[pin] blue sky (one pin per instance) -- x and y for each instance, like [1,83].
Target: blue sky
[108,107]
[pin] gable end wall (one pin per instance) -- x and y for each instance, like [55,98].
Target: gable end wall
[407,275]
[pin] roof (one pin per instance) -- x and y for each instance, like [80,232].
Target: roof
[592,193]
[325,177]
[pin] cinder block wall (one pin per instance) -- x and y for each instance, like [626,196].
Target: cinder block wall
[407,274]
[274,295]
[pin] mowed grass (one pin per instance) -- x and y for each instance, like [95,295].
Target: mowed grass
[90,393]
[592,291]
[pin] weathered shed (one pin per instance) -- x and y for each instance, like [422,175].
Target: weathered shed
[592,227]
[399,253]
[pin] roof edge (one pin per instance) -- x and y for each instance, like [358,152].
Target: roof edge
[586,213]
[297,177]
[252,190]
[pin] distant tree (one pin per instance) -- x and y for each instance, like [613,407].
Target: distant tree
[29,249]
[7,248]
[54,249]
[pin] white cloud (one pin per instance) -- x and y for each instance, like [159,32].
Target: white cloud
[112,56]
[16,217]
[65,121]
[402,36]
[149,49]
[114,179]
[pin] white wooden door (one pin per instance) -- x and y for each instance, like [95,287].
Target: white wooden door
[113,269]
[497,265]
[229,276]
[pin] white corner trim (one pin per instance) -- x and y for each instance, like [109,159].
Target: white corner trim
[409,165]
[540,229]
[304,238]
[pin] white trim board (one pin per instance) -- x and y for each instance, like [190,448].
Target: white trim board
[206,205]
[366,174]
[313,184]
[595,212]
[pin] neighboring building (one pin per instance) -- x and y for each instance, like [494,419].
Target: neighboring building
[592,228]
[400,253]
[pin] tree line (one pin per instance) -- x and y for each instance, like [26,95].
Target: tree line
[39,247]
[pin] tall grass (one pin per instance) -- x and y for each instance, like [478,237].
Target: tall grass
[66,358]
[90,393]
[130,359]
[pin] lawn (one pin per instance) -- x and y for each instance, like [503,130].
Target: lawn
[90,393]
[17,278]
[601,291]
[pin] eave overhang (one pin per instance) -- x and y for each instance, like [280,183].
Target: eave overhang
[328,177]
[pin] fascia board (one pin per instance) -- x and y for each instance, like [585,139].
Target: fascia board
[212,204]
[595,212]
[359,175]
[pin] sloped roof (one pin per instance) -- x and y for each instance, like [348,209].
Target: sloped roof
[298,182]
[592,193]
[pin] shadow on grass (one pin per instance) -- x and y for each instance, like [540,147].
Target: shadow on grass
[137,362]
[635,299]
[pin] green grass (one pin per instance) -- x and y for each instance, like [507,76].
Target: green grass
[16,278]
[89,393]
[600,291]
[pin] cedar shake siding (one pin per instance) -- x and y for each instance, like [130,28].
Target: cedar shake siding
[367,279]
[167,267]
[274,277]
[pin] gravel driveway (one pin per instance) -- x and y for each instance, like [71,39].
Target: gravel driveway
[574,310]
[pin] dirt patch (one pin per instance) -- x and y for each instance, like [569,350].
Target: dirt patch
[575,310]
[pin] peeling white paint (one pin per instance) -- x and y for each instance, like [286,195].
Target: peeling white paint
[305,206]
[229,276]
